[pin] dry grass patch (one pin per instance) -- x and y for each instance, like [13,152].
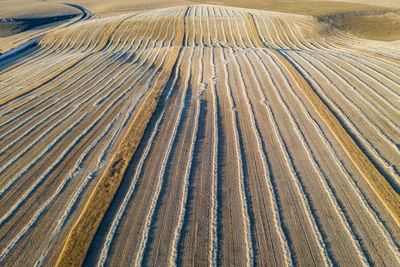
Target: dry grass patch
[384,26]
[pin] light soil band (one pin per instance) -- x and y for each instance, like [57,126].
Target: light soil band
[81,234]
[374,178]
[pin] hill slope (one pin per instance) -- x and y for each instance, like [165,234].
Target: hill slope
[274,141]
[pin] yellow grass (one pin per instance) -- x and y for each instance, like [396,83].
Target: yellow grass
[81,234]
[253,30]
[381,26]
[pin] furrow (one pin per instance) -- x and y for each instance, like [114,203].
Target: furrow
[111,79]
[74,173]
[299,184]
[132,187]
[213,236]
[345,173]
[340,72]
[143,243]
[60,188]
[13,209]
[383,161]
[65,106]
[185,187]
[328,189]
[378,183]
[239,163]
[266,166]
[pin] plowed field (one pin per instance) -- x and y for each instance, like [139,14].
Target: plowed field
[200,135]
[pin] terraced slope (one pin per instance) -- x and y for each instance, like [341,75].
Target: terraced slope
[275,142]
